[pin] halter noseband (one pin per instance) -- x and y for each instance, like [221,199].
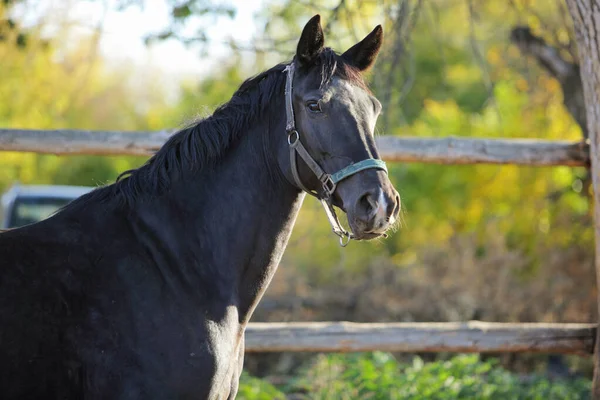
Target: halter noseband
[328,181]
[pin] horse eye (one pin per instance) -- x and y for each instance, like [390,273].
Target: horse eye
[314,106]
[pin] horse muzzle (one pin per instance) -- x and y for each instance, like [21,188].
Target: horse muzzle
[374,212]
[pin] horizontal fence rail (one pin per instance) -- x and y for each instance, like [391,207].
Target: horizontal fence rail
[447,150]
[462,337]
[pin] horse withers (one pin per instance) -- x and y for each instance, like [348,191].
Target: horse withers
[142,289]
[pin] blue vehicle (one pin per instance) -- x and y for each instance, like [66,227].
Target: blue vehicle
[26,204]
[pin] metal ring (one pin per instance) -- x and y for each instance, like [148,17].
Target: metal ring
[348,238]
[344,236]
[296,137]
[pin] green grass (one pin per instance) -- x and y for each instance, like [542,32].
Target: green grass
[379,376]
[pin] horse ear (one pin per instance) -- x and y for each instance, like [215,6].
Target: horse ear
[311,42]
[363,54]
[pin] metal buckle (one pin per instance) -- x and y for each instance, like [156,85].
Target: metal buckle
[328,184]
[296,137]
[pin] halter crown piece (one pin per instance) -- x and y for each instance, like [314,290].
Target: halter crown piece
[328,181]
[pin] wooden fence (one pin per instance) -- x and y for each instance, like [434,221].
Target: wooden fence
[453,337]
[347,336]
[392,148]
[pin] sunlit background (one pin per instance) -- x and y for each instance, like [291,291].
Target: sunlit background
[494,243]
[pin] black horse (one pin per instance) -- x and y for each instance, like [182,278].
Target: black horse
[143,289]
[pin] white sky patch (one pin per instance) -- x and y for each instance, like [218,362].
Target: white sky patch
[123,35]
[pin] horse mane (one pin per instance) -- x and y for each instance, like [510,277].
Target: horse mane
[203,142]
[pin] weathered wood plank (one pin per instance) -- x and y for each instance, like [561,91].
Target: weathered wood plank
[392,148]
[586,21]
[465,337]
[71,142]
[452,150]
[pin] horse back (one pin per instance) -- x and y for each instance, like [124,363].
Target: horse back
[41,303]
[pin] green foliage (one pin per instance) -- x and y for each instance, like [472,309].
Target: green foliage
[252,388]
[379,376]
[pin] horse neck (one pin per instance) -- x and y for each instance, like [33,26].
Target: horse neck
[233,220]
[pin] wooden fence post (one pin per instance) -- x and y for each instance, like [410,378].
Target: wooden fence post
[586,20]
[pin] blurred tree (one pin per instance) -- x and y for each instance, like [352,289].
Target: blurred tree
[10,30]
[565,71]
[45,85]
[202,12]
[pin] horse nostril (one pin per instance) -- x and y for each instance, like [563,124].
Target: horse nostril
[365,203]
[395,206]
[368,204]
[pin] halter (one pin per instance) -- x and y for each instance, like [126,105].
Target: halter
[329,182]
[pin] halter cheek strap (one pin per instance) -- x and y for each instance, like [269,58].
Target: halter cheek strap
[328,181]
